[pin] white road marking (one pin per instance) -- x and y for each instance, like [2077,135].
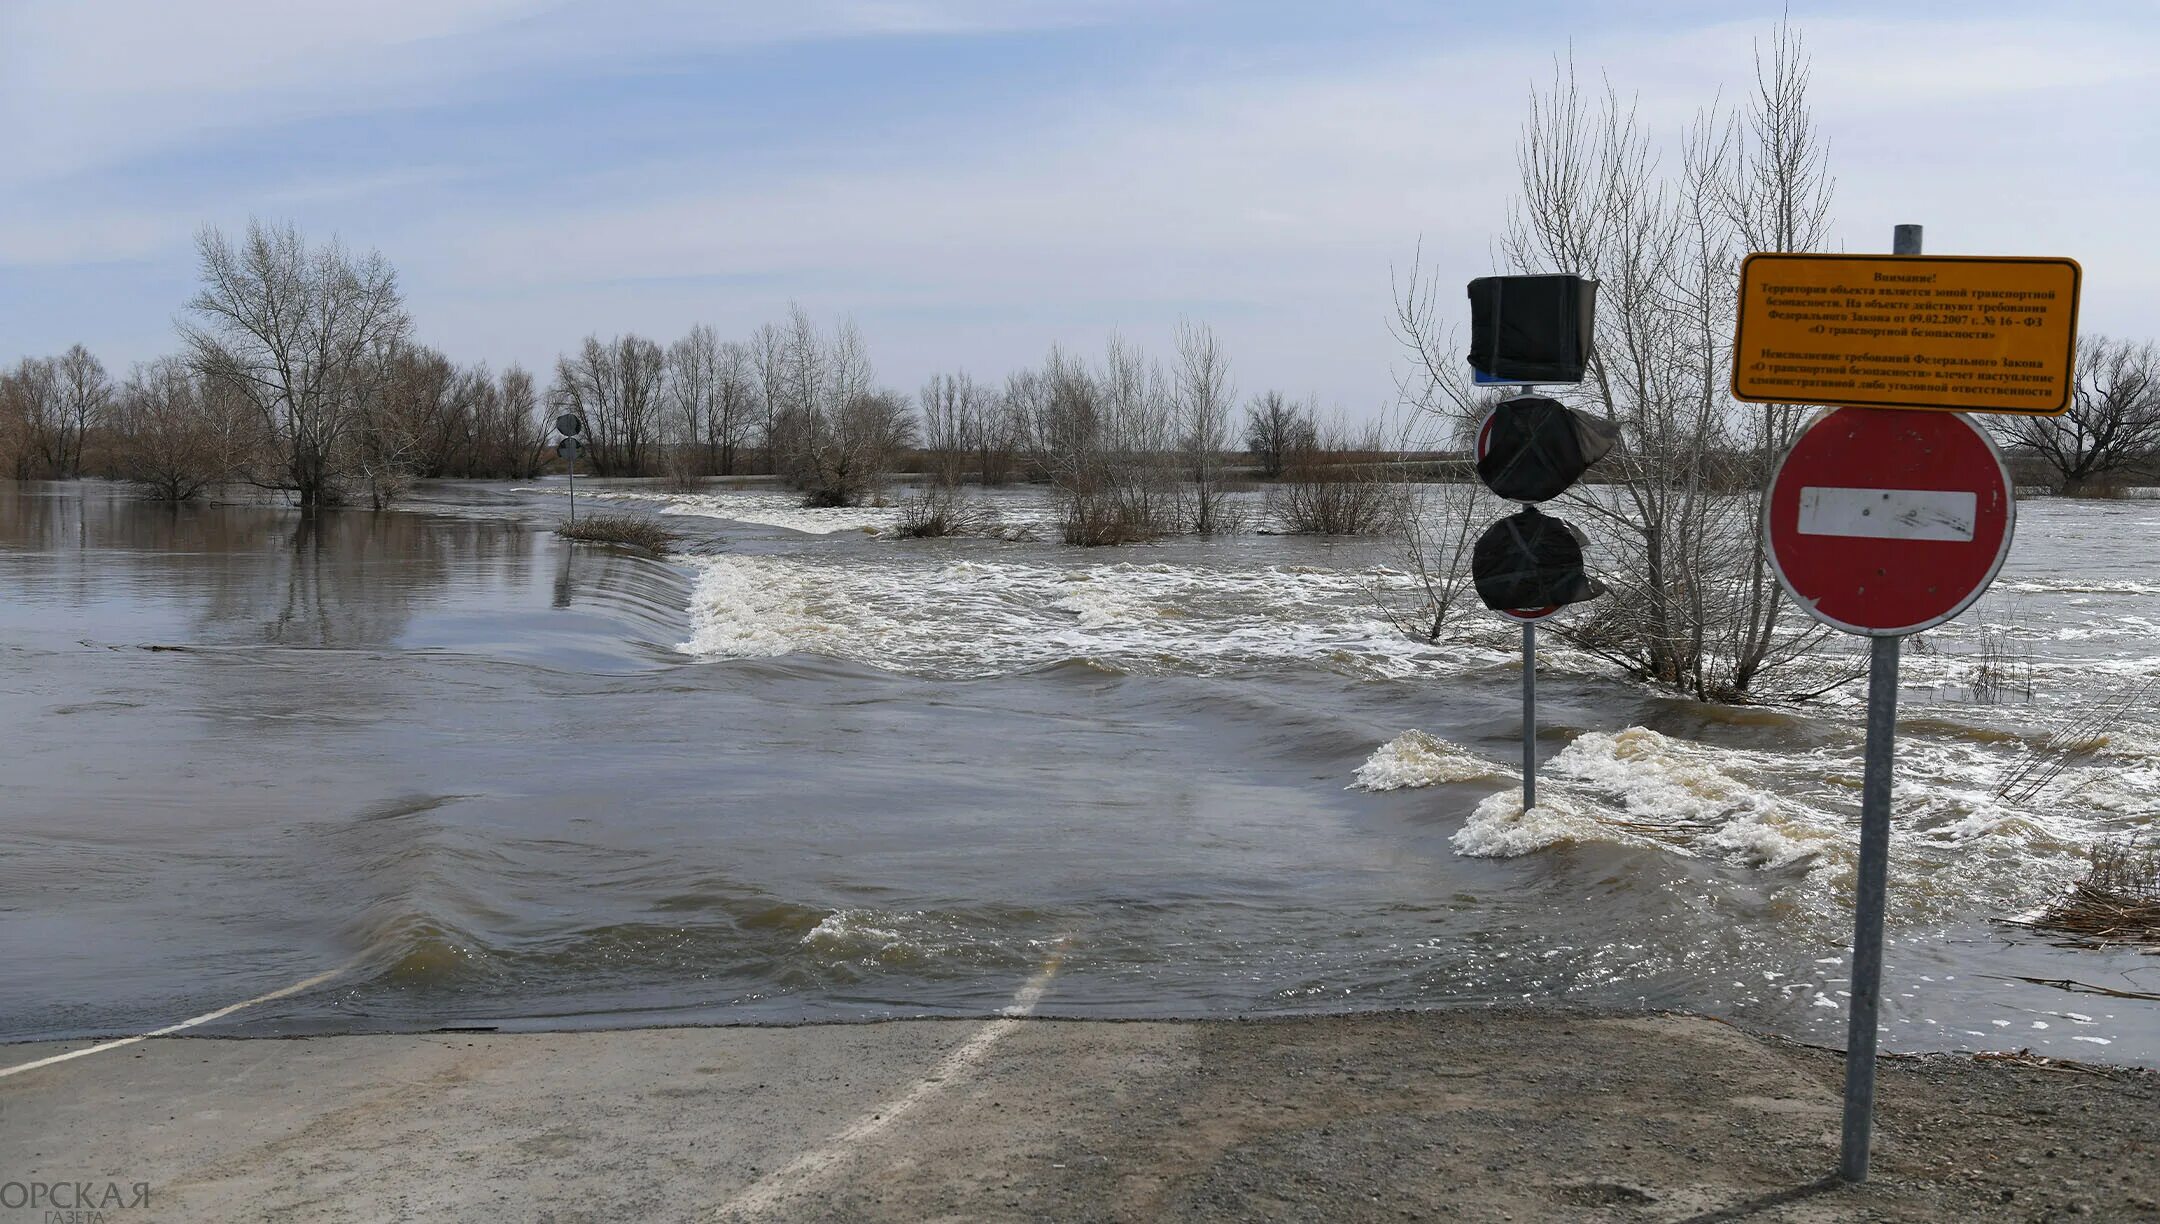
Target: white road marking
[766,1193]
[1889,514]
[170,1029]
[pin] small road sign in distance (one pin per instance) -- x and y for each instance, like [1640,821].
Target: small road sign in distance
[1887,523]
[1953,333]
[569,424]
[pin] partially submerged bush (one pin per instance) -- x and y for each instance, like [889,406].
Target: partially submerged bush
[944,511]
[2119,898]
[632,530]
[1340,486]
[1114,518]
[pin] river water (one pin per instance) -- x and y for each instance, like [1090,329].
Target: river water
[805,771]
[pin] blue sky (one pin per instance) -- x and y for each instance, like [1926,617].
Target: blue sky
[972,181]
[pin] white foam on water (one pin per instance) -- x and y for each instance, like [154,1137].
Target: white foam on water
[781,510]
[1415,759]
[925,615]
[852,932]
[1499,827]
[1686,795]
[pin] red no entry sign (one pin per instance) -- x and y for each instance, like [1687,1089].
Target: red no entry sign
[1884,522]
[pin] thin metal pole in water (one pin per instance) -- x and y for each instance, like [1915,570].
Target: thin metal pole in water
[1529,715]
[572,462]
[1869,888]
[1871,883]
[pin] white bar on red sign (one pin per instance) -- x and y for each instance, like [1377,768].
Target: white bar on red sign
[1889,514]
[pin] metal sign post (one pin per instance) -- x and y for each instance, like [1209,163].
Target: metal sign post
[570,425]
[1885,521]
[1871,881]
[568,449]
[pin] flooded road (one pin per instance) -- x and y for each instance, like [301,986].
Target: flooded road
[803,771]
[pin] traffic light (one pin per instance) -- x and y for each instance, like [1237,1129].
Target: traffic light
[1531,329]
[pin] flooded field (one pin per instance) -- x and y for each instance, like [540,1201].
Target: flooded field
[803,770]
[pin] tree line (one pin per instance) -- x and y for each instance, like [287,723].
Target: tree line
[298,372]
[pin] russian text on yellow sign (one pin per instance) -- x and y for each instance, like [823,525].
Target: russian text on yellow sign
[1959,333]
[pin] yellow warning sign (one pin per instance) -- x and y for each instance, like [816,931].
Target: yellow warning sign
[1958,333]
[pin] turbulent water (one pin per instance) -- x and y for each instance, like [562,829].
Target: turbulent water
[805,770]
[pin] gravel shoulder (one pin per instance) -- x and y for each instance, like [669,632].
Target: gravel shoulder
[1485,1115]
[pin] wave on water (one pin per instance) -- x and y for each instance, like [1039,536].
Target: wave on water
[1415,758]
[1957,839]
[1638,788]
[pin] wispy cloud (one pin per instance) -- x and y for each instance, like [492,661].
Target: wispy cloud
[974,179]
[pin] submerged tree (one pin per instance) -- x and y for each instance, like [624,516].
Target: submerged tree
[299,333]
[177,433]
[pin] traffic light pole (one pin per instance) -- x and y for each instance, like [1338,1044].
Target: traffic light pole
[1529,715]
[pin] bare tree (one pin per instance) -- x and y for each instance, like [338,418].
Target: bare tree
[1692,603]
[616,387]
[85,395]
[837,437]
[1276,428]
[999,428]
[1203,397]
[298,332]
[710,393]
[952,412]
[507,431]
[767,351]
[2114,419]
[29,415]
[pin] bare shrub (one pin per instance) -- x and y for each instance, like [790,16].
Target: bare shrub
[1340,485]
[176,437]
[941,510]
[630,530]
[1441,525]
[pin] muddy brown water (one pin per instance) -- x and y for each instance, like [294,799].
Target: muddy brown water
[807,772]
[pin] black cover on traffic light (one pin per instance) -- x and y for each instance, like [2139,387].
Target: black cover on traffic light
[1533,329]
[1531,560]
[1534,448]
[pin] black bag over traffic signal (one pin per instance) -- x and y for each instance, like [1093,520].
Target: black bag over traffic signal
[1533,329]
[1533,448]
[1528,561]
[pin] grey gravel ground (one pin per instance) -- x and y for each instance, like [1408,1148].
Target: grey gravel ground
[1436,1115]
